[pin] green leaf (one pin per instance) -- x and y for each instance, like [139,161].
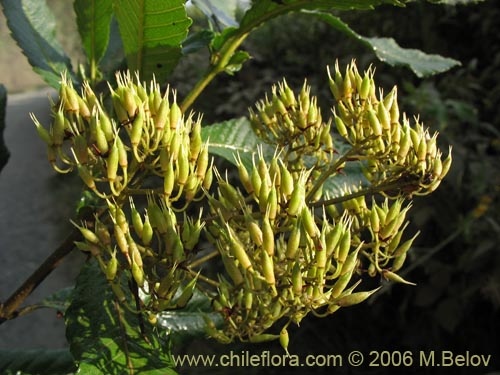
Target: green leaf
[188,322]
[388,51]
[59,300]
[33,26]
[105,337]
[152,32]
[4,153]
[36,362]
[93,18]
[236,61]
[228,138]
[197,41]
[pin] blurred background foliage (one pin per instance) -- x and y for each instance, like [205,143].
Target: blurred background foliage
[456,260]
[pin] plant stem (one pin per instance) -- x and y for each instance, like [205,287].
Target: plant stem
[8,310]
[224,55]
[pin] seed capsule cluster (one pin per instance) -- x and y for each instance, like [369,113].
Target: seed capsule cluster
[394,150]
[142,139]
[294,123]
[287,248]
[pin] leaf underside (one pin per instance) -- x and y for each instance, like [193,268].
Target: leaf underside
[152,32]
[33,27]
[105,337]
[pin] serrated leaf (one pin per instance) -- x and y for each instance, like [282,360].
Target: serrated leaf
[33,26]
[388,51]
[93,18]
[228,138]
[152,32]
[36,362]
[105,337]
[4,153]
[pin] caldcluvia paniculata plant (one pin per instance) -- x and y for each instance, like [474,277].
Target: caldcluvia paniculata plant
[288,247]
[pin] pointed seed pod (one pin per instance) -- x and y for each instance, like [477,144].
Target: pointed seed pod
[138,274]
[388,275]
[137,127]
[293,242]
[284,339]
[112,267]
[147,231]
[112,163]
[186,294]
[355,298]
[267,236]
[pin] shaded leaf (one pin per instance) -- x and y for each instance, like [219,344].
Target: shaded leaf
[4,153]
[456,2]
[152,33]
[197,41]
[36,362]
[388,51]
[114,57]
[33,26]
[236,61]
[188,322]
[228,138]
[105,337]
[93,19]
[59,300]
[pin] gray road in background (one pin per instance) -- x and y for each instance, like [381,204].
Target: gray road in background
[35,205]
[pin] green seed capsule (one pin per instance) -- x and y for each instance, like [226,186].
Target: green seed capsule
[136,219]
[147,231]
[161,115]
[112,267]
[70,97]
[137,127]
[88,234]
[268,268]
[297,282]
[267,236]
[341,128]
[394,111]
[284,339]
[175,115]
[355,298]
[253,228]
[308,223]
[202,163]
[244,176]
[339,286]
[286,186]
[169,180]
[232,270]
[238,250]
[333,237]
[297,200]
[120,112]
[138,274]
[195,141]
[351,261]
[364,90]
[398,262]
[256,180]
[86,177]
[42,132]
[112,163]
[58,128]
[186,294]
[293,242]
[272,204]
[388,275]
[128,102]
[183,166]
[121,240]
[122,153]
[344,246]
[375,125]
[374,221]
